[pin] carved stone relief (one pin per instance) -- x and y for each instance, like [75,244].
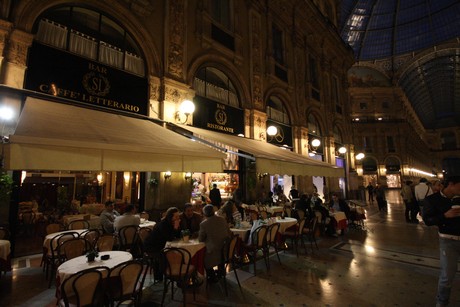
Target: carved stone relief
[18,45]
[176,38]
[256,52]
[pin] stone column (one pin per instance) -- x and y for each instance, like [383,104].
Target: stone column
[14,67]
[5,29]
[174,93]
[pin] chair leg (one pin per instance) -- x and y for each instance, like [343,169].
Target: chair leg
[165,289]
[236,276]
[255,260]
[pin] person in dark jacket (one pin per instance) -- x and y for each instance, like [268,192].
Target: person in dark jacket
[304,204]
[215,197]
[168,229]
[441,209]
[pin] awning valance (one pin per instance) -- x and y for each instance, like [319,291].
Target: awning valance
[54,136]
[270,158]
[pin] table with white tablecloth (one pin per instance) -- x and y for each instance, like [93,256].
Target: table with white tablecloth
[148,224]
[195,248]
[49,237]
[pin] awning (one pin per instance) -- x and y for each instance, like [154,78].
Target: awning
[54,136]
[270,158]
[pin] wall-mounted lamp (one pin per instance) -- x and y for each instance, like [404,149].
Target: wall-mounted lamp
[126,177]
[186,108]
[167,175]
[341,151]
[313,146]
[188,175]
[100,178]
[360,156]
[271,131]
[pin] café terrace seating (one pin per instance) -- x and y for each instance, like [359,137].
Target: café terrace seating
[295,235]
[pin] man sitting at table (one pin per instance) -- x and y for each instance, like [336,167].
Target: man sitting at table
[127,219]
[190,220]
[108,217]
[213,231]
[337,204]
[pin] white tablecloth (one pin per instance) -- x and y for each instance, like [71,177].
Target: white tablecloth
[242,232]
[5,249]
[77,264]
[193,245]
[148,224]
[286,223]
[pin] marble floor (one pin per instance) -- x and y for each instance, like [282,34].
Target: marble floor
[390,263]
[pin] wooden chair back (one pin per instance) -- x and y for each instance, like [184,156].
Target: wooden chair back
[105,243]
[78,224]
[82,288]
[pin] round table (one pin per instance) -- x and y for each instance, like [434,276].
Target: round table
[148,224]
[196,249]
[77,264]
[242,232]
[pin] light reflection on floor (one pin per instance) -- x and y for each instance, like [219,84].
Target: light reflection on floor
[392,263]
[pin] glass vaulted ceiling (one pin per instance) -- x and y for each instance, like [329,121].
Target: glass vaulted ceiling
[381,29]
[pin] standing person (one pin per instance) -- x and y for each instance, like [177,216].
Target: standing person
[127,219]
[108,216]
[380,196]
[215,197]
[304,204]
[293,194]
[439,211]
[213,231]
[408,198]
[325,193]
[370,191]
[422,190]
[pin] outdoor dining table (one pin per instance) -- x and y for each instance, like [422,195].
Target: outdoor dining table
[242,232]
[5,258]
[196,249]
[286,223]
[80,263]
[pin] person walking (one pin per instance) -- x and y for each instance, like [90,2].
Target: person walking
[440,210]
[370,191]
[215,197]
[422,190]
[408,198]
[380,196]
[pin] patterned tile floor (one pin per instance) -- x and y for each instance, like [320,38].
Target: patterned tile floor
[391,263]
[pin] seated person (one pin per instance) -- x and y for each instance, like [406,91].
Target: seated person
[230,213]
[127,219]
[337,204]
[304,204]
[213,231]
[108,216]
[256,223]
[190,220]
[168,229]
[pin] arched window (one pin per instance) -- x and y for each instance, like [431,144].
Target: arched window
[313,126]
[91,35]
[214,84]
[369,165]
[276,111]
[338,135]
[392,165]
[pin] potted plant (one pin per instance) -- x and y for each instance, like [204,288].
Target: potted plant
[92,254]
[185,235]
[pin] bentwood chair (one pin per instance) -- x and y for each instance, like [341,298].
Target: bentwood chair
[126,281]
[105,243]
[296,236]
[310,231]
[128,239]
[258,243]
[228,258]
[78,224]
[52,257]
[272,239]
[72,248]
[83,288]
[178,270]
[91,236]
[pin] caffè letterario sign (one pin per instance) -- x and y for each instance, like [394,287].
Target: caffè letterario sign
[65,75]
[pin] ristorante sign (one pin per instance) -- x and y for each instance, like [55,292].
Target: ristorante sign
[212,115]
[65,75]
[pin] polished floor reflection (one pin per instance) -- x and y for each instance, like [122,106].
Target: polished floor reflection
[390,263]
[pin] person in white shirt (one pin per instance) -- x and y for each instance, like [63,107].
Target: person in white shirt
[108,217]
[127,219]
[422,190]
